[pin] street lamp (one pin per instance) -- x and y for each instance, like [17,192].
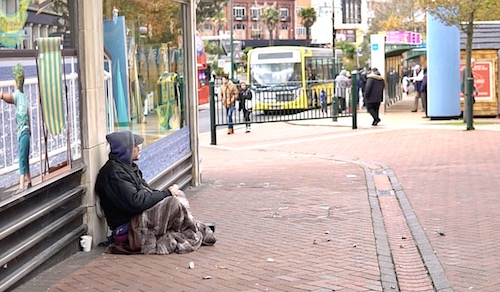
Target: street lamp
[231,38]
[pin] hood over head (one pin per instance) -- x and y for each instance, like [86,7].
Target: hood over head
[343,73]
[122,145]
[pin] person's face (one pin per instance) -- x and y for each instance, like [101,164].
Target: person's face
[224,80]
[243,85]
[137,152]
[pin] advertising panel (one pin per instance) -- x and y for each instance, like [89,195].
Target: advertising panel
[483,80]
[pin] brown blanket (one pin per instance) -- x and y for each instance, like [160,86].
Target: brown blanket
[165,228]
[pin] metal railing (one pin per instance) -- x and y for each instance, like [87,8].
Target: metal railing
[56,146]
[281,103]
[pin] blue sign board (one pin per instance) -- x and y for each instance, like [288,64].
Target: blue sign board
[374,47]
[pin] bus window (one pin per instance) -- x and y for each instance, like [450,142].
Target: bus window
[274,73]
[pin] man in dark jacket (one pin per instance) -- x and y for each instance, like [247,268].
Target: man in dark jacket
[374,94]
[122,190]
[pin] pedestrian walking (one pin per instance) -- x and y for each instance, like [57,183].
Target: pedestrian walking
[423,92]
[342,83]
[245,100]
[322,99]
[417,79]
[374,94]
[21,101]
[229,95]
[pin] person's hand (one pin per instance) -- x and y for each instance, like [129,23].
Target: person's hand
[175,191]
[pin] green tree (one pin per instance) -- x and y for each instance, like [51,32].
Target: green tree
[308,18]
[244,58]
[348,49]
[397,15]
[218,19]
[208,9]
[462,14]
[270,17]
[213,48]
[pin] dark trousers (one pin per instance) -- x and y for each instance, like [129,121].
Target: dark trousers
[423,96]
[246,116]
[372,108]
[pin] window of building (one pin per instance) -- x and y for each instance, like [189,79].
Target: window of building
[351,11]
[256,31]
[300,30]
[238,12]
[239,26]
[284,13]
[284,27]
[255,12]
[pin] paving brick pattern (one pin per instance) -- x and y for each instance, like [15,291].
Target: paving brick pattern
[410,205]
[277,234]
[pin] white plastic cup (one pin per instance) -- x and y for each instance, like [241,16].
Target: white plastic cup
[86,242]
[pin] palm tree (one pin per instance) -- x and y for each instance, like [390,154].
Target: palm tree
[308,18]
[270,17]
[219,19]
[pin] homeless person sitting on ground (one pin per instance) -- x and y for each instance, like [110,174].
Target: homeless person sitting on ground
[144,220]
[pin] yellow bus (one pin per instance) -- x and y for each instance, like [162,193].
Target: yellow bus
[291,78]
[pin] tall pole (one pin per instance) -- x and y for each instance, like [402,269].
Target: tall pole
[333,40]
[231,37]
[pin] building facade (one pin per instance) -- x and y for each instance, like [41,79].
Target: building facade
[248,24]
[349,19]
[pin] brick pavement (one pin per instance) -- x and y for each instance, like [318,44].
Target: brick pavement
[410,205]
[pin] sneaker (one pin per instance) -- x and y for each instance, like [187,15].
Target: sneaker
[413,110]
[248,129]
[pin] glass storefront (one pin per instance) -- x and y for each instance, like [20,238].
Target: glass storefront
[147,65]
[144,81]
